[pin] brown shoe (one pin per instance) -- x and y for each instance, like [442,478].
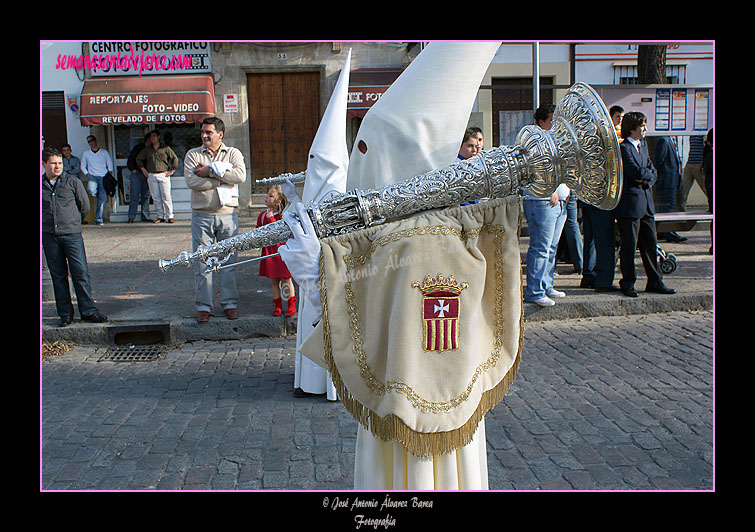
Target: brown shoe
[203,316]
[158,220]
[170,220]
[231,313]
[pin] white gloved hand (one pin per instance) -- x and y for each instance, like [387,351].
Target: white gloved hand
[302,253]
[289,190]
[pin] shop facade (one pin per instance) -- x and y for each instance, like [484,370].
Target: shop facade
[120,91]
[271,95]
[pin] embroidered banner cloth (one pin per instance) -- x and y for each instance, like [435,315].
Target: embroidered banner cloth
[422,322]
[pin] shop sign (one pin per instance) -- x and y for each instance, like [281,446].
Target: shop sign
[230,103]
[143,58]
[146,101]
[362,98]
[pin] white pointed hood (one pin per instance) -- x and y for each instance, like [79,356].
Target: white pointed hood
[327,166]
[419,123]
[328,160]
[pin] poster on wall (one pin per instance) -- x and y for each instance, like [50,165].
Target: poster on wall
[662,109]
[230,103]
[702,107]
[681,110]
[510,123]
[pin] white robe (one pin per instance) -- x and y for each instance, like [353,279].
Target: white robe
[417,126]
[308,376]
[388,466]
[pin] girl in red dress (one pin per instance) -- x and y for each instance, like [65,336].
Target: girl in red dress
[274,267]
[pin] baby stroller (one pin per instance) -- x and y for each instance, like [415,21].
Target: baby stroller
[667,261]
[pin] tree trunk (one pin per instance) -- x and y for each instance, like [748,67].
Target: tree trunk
[651,64]
[651,69]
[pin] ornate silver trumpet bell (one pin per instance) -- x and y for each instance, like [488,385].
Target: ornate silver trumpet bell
[581,150]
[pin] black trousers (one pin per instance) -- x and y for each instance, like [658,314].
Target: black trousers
[638,233]
[599,253]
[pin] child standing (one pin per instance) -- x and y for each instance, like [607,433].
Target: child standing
[274,268]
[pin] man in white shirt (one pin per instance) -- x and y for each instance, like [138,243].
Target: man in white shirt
[95,163]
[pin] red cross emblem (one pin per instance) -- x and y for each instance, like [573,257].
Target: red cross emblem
[440,312]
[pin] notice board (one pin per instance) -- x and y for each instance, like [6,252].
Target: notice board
[670,109]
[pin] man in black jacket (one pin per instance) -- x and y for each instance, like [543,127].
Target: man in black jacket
[635,213]
[64,204]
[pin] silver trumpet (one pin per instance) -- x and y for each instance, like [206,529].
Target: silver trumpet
[581,150]
[277,180]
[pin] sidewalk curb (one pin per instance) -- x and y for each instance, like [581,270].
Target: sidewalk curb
[183,330]
[621,306]
[175,331]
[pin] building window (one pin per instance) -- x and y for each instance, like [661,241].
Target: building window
[54,119]
[626,74]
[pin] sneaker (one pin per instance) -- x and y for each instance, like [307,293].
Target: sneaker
[544,302]
[556,294]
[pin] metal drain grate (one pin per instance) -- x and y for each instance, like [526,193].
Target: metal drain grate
[133,353]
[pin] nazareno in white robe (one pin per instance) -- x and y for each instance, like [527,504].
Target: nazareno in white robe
[415,127]
[418,125]
[327,166]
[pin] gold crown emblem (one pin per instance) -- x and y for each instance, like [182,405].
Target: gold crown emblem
[431,284]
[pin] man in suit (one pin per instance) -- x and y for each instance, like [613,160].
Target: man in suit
[669,165]
[635,211]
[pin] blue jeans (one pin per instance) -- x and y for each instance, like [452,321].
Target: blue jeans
[544,224]
[138,195]
[66,253]
[206,229]
[97,189]
[572,234]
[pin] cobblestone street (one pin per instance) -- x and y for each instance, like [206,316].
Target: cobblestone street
[605,403]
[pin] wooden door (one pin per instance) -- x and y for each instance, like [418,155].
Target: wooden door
[284,112]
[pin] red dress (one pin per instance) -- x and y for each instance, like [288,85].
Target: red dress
[273,267]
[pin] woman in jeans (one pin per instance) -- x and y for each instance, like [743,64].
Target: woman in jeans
[545,220]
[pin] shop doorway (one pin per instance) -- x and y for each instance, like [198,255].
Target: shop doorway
[513,106]
[284,112]
[180,137]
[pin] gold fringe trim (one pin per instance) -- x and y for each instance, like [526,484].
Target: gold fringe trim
[391,427]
